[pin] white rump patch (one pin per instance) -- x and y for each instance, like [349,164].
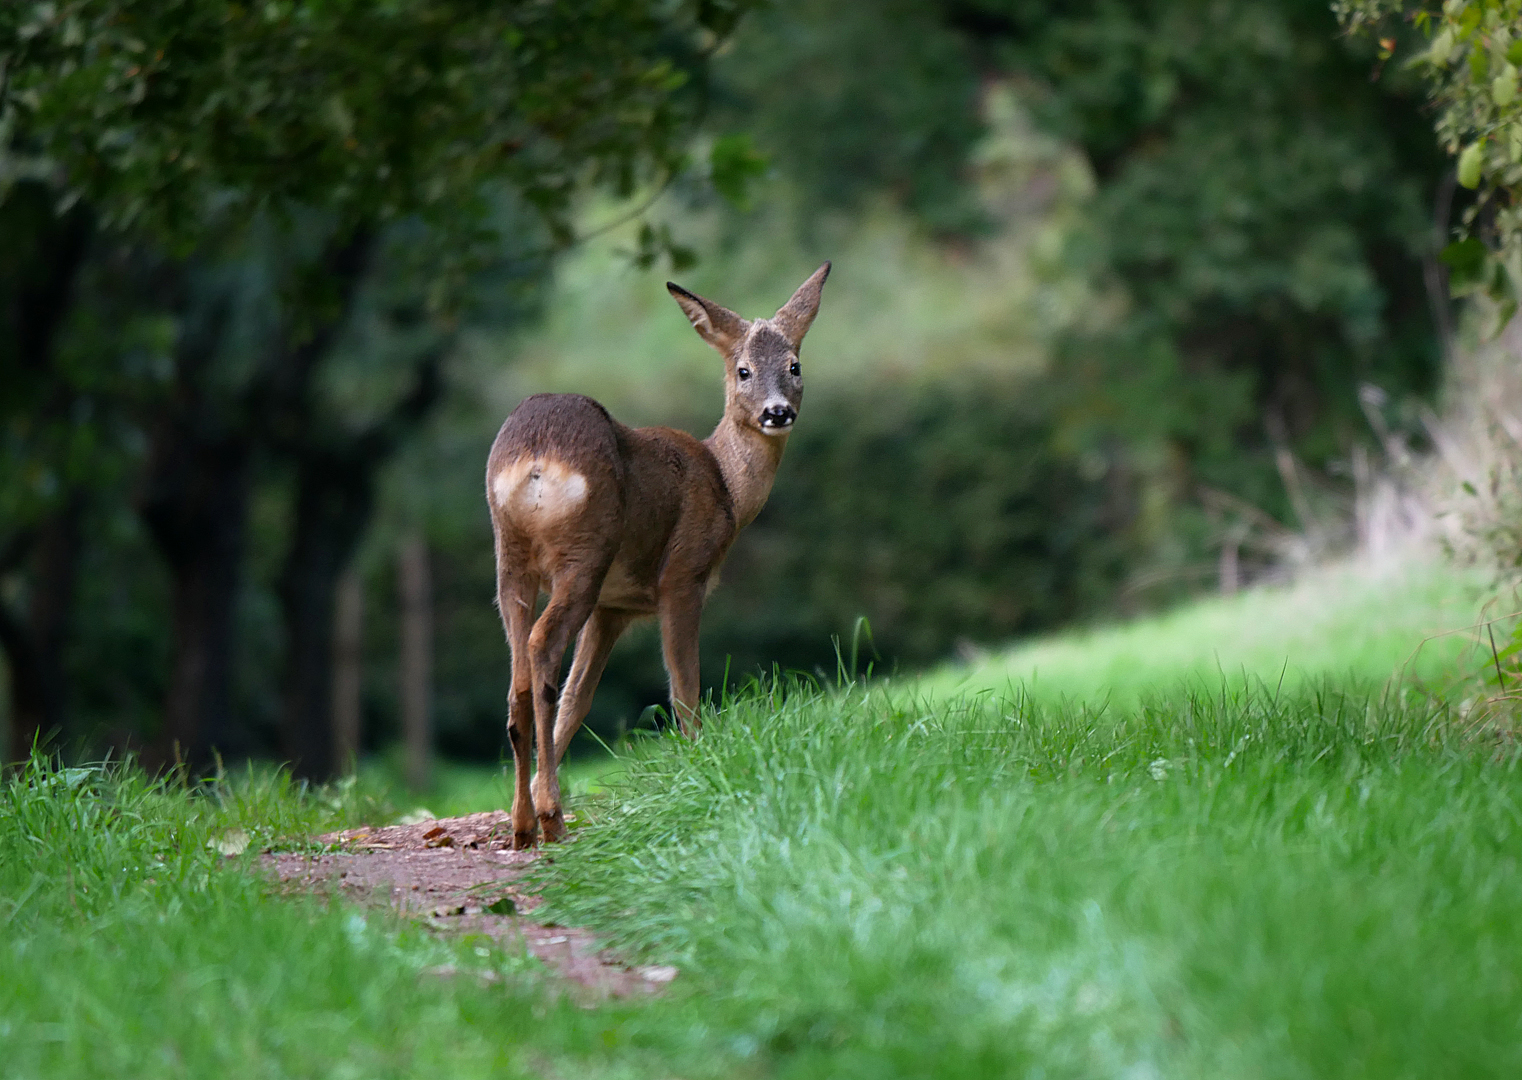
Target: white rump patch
[539,489]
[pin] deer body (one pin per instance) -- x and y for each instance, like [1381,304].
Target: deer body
[617,523]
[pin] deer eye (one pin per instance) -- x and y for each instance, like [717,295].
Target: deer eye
[743,372]
[795,369]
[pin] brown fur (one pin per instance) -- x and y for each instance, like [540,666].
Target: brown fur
[616,523]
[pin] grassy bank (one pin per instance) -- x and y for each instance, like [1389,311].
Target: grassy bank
[1409,620]
[1237,884]
[1246,877]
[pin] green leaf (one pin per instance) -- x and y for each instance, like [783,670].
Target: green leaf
[720,16]
[655,243]
[504,906]
[1471,164]
[76,778]
[1503,89]
[733,164]
[1466,261]
[1441,48]
[1479,63]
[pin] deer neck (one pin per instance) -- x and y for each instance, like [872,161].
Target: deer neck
[748,460]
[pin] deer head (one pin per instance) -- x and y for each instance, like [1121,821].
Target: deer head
[763,380]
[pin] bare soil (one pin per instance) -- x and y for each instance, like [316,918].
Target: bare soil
[460,876]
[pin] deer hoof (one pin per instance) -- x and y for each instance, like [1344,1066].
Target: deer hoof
[525,839]
[553,826]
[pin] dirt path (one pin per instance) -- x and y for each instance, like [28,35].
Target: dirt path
[459,876]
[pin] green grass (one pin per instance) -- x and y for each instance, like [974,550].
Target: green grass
[132,947]
[1411,620]
[1195,877]
[864,884]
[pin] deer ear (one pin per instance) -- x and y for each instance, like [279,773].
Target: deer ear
[716,325]
[794,318]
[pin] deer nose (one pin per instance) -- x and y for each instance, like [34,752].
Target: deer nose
[778,416]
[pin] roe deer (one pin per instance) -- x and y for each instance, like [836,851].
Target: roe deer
[616,523]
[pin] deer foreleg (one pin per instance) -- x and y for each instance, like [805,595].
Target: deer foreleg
[681,611]
[592,647]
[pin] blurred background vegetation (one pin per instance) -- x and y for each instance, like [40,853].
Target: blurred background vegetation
[1131,300]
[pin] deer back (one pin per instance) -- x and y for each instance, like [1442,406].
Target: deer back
[571,486]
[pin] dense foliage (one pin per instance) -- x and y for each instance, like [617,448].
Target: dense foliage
[1470,66]
[962,526]
[1262,211]
[152,111]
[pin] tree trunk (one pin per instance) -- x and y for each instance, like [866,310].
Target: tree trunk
[1228,570]
[335,496]
[28,698]
[416,594]
[348,671]
[333,504]
[41,256]
[54,577]
[34,647]
[194,503]
[197,512]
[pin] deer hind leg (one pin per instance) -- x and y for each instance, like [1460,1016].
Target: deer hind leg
[593,645]
[516,596]
[571,603]
[681,610]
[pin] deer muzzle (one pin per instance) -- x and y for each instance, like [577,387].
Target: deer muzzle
[778,418]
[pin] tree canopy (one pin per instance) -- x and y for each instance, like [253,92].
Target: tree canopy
[155,112]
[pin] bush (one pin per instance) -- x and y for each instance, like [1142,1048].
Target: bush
[940,511]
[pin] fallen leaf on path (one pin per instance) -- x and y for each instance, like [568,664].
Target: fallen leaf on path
[232,842]
[447,971]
